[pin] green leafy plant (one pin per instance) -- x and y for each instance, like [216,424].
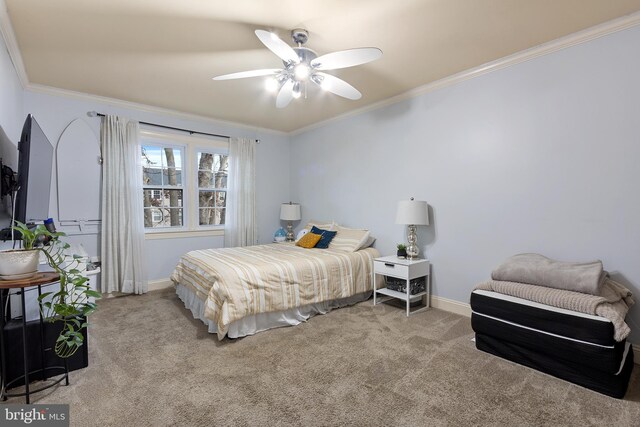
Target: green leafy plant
[71,303]
[401,247]
[29,235]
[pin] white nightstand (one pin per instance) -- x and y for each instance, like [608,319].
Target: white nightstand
[407,270]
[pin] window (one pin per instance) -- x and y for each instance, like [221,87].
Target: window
[156,216]
[162,185]
[212,187]
[184,182]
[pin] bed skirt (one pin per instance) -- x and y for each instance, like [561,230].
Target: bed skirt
[261,322]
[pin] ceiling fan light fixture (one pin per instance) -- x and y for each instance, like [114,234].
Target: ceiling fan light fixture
[302,65]
[272,84]
[321,81]
[296,90]
[301,72]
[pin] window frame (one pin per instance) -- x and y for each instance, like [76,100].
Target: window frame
[162,188]
[190,145]
[152,216]
[207,150]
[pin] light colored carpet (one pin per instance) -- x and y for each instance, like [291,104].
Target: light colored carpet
[152,364]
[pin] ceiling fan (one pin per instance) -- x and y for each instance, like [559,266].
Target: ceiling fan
[303,65]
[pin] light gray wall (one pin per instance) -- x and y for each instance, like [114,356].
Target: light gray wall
[10,120]
[538,157]
[10,99]
[54,113]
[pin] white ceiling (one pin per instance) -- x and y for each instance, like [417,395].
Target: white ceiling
[163,53]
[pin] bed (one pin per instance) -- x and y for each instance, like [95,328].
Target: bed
[242,291]
[574,346]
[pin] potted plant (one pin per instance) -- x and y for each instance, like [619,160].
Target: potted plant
[71,304]
[20,263]
[402,250]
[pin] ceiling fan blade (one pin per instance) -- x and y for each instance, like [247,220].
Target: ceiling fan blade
[346,58]
[252,73]
[338,86]
[277,46]
[285,95]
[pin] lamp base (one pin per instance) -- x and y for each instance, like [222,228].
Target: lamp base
[412,248]
[290,237]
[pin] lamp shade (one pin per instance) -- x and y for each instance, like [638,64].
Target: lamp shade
[290,211]
[412,212]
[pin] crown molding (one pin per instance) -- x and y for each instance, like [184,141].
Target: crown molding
[570,40]
[50,90]
[579,37]
[16,57]
[9,37]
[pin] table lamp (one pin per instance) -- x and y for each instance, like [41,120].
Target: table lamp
[412,213]
[290,212]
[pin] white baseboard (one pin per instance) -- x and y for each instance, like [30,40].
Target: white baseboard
[464,309]
[451,306]
[156,285]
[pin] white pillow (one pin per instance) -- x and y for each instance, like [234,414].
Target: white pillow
[370,240]
[301,233]
[330,226]
[349,239]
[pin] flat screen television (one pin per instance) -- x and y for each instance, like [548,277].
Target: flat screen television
[35,164]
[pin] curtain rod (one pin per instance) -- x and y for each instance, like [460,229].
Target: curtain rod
[191,132]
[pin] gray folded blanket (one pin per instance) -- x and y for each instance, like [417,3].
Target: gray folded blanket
[535,269]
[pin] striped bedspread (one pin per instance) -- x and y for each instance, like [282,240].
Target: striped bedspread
[237,282]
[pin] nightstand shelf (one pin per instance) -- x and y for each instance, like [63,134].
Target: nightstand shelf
[406,270]
[399,295]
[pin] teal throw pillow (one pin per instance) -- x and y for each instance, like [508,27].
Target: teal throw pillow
[326,238]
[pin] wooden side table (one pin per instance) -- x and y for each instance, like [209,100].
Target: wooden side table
[38,280]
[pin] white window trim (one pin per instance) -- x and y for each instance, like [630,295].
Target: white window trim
[184,234]
[183,187]
[191,145]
